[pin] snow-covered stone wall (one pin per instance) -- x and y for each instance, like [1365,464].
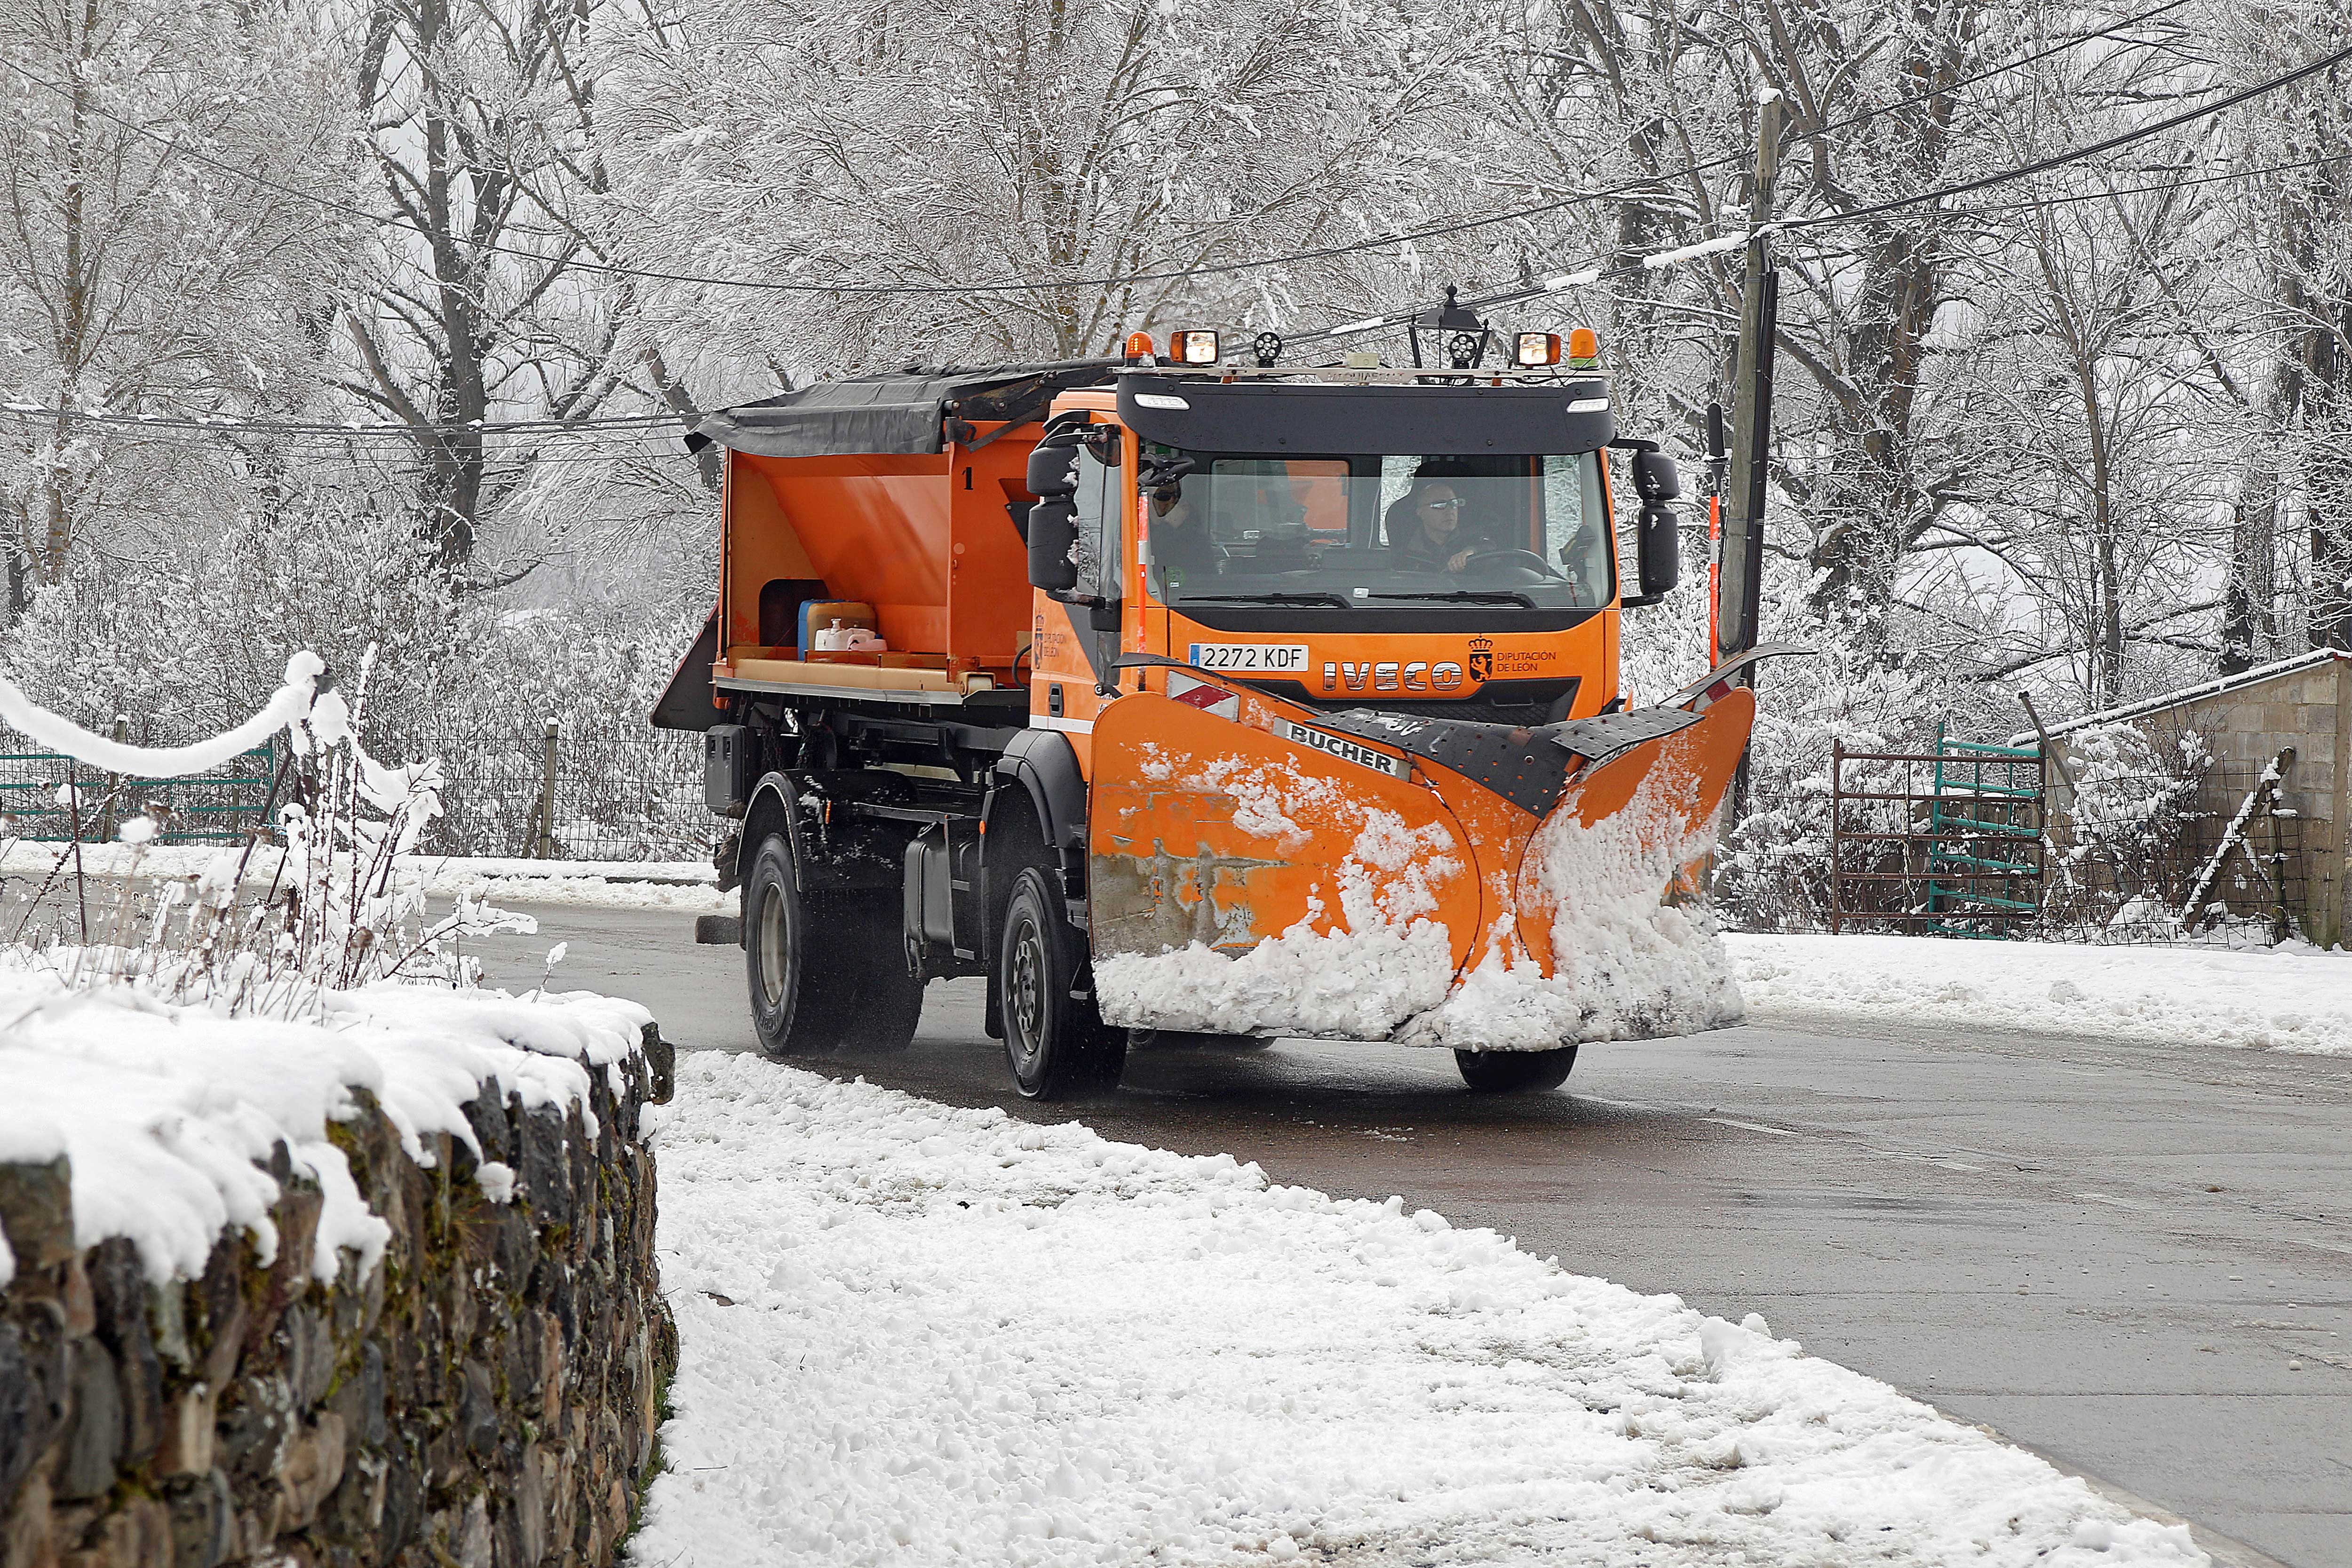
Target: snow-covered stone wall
[481,1390]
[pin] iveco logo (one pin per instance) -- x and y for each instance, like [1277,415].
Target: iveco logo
[1344,749]
[1418,676]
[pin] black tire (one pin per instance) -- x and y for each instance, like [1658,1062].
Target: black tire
[1515,1072]
[825,973]
[1055,1041]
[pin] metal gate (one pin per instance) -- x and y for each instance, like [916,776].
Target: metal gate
[1947,842]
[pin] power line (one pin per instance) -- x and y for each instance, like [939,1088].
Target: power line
[646,436]
[1018,285]
[1594,269]
[1593,272]
[226,424]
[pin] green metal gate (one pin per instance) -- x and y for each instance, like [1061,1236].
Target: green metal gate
[1984,831]
[1947,842]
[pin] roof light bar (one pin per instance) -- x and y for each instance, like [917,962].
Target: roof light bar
[1194,347]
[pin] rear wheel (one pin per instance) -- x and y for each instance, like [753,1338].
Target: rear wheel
[825,973]
[1055,1041]
[1509,1072]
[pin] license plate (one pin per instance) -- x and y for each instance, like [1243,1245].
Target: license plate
[1270,658]
[1344,749]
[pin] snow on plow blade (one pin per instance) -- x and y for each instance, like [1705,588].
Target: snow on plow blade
[1380,876]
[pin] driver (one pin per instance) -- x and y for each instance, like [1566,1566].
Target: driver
[1426,532]
[1180,546]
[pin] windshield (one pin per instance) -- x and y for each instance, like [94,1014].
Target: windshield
[1380,531]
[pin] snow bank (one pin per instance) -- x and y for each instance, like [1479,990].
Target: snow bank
[170,1113]
[2290,999]
[932,1335]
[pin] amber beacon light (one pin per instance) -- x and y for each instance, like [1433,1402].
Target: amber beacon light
[1138,348]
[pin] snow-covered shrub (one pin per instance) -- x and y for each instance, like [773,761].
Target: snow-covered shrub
[185,645]
[2123,854]
[263,930]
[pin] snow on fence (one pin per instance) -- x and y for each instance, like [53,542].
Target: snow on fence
[628,796]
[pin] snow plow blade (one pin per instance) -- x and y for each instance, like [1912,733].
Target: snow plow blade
[1260,866]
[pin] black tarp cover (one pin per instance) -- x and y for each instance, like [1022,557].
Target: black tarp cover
[897,412]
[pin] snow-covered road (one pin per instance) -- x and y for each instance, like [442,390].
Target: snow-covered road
[924,1334]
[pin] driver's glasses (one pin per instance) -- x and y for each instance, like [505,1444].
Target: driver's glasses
[1455,505]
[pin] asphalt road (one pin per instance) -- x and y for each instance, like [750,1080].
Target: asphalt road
[2137,1260]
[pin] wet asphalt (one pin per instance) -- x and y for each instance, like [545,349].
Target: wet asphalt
[2137,1260]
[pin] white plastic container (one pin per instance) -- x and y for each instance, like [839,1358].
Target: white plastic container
[840,638]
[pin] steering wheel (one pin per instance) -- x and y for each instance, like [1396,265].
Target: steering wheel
[1522,557]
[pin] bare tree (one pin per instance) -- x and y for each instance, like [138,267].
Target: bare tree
[476,309]
[136,275]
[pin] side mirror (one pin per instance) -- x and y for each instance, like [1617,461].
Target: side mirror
[1053,535]
[1053,470]
[1660,548]
[1655,478]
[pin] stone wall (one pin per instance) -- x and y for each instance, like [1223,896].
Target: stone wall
[486,1396]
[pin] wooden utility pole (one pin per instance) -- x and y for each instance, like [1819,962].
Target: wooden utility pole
[1738,603]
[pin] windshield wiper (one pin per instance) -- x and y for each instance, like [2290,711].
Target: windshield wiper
[1466,596]
[1259,599]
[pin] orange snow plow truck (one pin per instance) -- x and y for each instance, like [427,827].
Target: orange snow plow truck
[1188,700]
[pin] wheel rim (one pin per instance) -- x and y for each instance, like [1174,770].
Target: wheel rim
[772,946]
[1025,998]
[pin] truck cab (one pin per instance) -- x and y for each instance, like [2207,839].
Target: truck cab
[1445,551]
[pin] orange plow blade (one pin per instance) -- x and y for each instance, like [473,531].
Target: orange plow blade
[1261,867]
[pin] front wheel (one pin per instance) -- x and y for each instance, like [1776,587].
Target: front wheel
[1055,1041]
[1513,1072]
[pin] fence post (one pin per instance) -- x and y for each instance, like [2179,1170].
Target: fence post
[544,847]
[1837,830]
[109,811]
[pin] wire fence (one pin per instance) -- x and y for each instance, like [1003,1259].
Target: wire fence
[2223,862]
[617,797]
[635,795]
[44,798]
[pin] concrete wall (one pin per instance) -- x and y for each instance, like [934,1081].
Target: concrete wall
[485,1398]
